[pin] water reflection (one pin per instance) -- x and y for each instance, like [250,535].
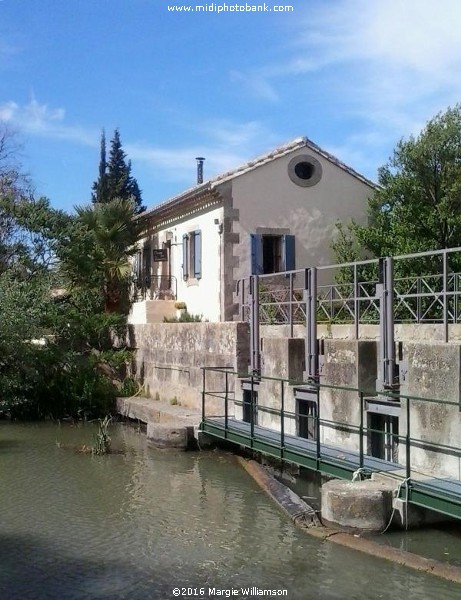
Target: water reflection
[137,524]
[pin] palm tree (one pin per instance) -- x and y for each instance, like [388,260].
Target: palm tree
[114,233]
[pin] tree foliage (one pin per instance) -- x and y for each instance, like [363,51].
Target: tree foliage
[417,206]
[114,232]
[100,190]
[57,317]
[115,179]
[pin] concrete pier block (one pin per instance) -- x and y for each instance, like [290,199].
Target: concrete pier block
[204,440]
[348,364]
[364,505]
[168,436]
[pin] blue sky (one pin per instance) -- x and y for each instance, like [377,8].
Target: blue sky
[355,76]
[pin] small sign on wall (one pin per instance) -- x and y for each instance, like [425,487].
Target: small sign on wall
[160,254]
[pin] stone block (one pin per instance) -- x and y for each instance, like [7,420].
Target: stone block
[434,372]
[348,364]
[364,505]
[167,436]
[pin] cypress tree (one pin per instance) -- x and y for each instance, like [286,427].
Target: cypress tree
[115,179]
[120,181]
[100,188]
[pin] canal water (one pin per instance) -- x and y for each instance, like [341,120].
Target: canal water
[138,524]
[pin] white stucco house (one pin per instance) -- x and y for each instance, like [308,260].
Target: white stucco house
[277,212]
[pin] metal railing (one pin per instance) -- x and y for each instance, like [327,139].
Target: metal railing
[429,297]
[281,439]
[155,287]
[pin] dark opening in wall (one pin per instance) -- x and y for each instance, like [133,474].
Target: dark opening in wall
[304,170]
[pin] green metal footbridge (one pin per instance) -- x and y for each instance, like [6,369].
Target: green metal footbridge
[233,410]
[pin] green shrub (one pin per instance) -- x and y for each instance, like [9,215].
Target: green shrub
[185,317]
[129,388]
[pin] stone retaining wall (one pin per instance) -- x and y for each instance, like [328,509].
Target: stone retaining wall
[170,357]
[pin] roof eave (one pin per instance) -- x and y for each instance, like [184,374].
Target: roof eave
[180,200]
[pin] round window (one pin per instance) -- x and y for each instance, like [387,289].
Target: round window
[304,170]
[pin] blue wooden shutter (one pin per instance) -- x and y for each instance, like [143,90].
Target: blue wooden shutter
[197,254]
[288,252]
[256,254]
[185,256]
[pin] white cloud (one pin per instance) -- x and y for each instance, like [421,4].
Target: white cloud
[8,111]
[389,65]
[227,144]
[421,36]
[7,51]
[399,55]
[41,120]
[232,133]
[177,163]
[392,63]
[224,143]
[255,84]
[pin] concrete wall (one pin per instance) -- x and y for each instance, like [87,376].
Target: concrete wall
[349,364]
[421,332]
[151,311]
[169,358]
[284,358]
[434,371]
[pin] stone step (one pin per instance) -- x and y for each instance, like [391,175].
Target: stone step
[148,410]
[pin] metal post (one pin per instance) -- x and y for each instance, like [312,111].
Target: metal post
[226,404]
[455,297]
[306,328]
[290,306]
[254,325]
[418,300]
[382,332]
[389,321]
[312,326]
[242,299]
[311,347]
[318,446]
[361,430]
[356,303]
[445,296]
[282,420]
[408,465]
[203,393]
[313,353]
[252,416]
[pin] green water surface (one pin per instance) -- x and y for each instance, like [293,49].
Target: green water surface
[137,525]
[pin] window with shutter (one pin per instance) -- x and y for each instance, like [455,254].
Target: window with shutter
[185,256]
[197,254]
[192,255]
[272,253]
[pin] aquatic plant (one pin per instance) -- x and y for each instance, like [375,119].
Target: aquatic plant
[102,438]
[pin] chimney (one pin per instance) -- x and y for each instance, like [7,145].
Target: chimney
[200,160]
